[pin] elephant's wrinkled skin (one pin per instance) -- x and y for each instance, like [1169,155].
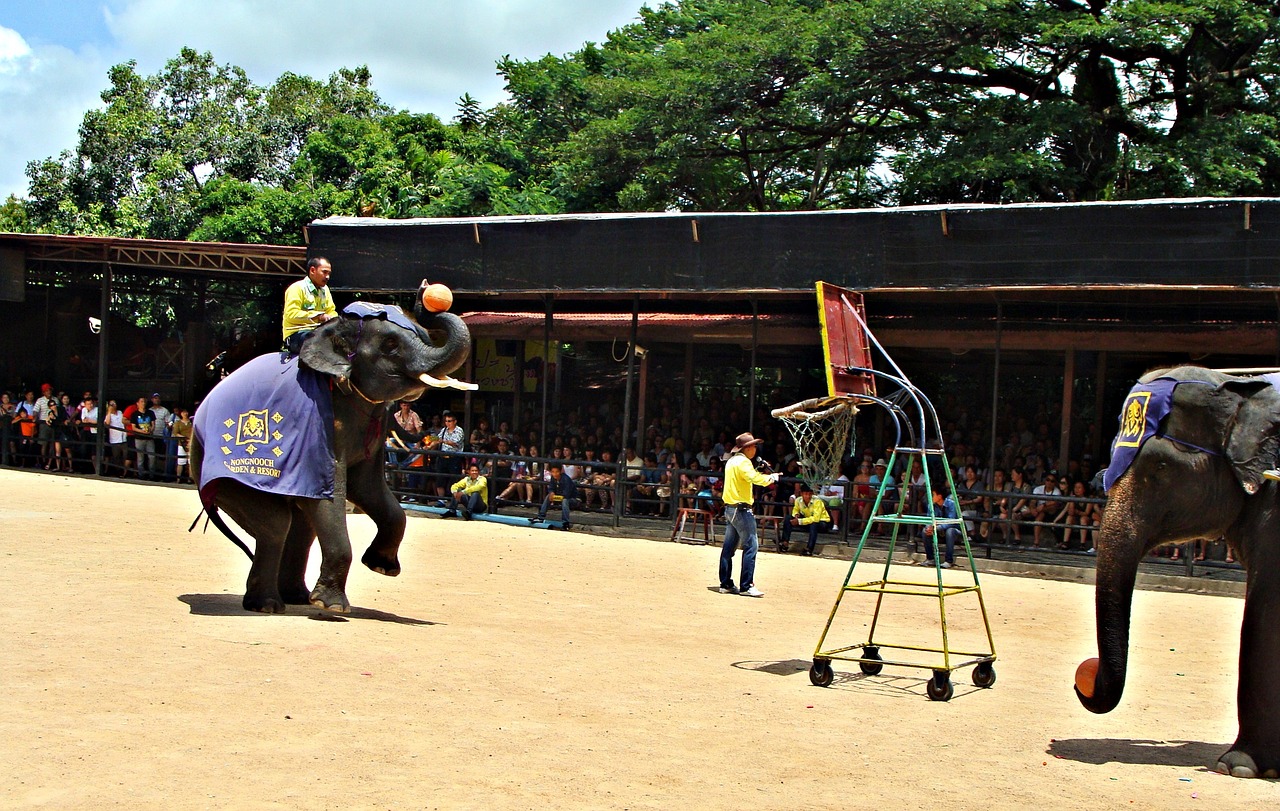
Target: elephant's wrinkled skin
[374,363]
[1175,493]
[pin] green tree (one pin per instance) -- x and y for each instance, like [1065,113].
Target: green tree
[747,104]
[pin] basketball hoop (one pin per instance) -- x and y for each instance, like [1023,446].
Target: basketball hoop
[822,430]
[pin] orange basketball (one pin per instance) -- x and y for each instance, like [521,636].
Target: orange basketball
[437,298]
[1086,674]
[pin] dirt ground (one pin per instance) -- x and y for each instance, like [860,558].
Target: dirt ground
[521,668]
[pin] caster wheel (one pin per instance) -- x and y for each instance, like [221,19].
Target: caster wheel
[940,687]
[871,668]
[984,675]
[821,673]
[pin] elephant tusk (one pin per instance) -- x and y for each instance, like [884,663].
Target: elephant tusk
[447,382]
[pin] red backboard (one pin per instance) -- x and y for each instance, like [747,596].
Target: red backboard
[844,340]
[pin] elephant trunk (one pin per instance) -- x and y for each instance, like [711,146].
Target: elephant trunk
[1120,548]
[456,347]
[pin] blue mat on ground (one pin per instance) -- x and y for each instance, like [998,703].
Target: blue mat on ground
[511,520]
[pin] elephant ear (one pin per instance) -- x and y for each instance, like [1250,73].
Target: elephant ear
[1253,436]
[330,348]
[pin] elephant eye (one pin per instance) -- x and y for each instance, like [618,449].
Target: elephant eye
[390,346]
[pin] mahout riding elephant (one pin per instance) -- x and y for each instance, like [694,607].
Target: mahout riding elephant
[284,442]
[1188,464]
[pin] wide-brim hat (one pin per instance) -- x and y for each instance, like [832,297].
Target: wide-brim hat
[881,463]
[743,441]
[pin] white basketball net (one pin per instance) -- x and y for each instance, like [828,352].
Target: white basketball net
[822,429]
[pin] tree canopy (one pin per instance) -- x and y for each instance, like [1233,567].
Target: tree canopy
[753,105]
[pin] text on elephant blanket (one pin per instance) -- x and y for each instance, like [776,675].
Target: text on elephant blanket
[270,425]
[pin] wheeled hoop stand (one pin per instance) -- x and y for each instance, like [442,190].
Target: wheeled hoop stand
[918,439]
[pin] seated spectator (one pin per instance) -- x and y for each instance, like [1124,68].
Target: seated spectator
[969,498]
[942,505]
[469,494]
[1083,514]
[833,498]
[1020,509]
[996,508]
[882,479]
[602,481]
[864,494]
[1044,510]
[807,512]
[560,490]
[521,483]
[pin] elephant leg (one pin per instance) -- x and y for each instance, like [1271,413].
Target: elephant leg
[267,518]
[293,563]
[329,519]
[1256,752]
[367,489]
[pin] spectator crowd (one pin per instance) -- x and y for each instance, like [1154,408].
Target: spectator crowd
[1024,500]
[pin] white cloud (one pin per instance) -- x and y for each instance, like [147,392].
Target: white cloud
[44,93]
[12,47]
[423,54]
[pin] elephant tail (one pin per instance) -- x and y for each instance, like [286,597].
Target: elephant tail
[213,516]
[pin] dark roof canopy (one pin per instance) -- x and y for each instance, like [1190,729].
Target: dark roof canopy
[1214,242]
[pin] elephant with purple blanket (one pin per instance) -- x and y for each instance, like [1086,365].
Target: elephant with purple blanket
[283,443]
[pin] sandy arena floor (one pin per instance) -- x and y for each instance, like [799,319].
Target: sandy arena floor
[518,668]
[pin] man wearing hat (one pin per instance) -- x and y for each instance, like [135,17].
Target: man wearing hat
[739,476]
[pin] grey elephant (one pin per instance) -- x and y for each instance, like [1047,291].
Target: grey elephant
[1188,463]
[283,443]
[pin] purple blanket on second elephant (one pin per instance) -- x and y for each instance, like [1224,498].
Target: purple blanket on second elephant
[269,426]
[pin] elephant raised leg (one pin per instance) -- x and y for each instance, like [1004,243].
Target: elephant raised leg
[368,491]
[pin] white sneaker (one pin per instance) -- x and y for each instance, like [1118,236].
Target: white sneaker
[946,565]
[835,527]
[751,591]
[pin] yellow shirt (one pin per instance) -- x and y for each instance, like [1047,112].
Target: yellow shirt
[739,475]
[302,301]
[466,485]
[815,512]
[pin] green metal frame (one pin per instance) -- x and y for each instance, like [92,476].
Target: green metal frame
[915,421]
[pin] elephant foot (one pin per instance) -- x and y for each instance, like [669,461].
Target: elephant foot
[380,563]
[263,604]
[330,599]
[1240,764]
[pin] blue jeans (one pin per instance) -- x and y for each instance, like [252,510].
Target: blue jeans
[546,505]
[812,530]
[741,525]
[473,502]
[952,535]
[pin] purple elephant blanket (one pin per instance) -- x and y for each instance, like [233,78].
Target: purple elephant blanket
[269,426]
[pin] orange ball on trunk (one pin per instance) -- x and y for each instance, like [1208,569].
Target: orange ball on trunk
[1086,675]
[437,298]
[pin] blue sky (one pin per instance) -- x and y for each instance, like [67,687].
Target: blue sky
[424,54]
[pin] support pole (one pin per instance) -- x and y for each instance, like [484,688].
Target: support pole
[995,398]
[1068,401]
[686,409]
[546,377]
[104,313]
[621,477]
[755,344]
[1099,403]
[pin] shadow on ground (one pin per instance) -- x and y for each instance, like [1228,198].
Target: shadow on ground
[228,605]
[1098,751]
